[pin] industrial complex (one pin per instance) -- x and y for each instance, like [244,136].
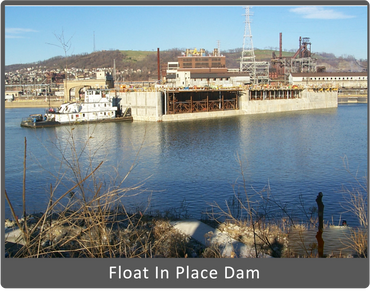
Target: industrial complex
[198,85]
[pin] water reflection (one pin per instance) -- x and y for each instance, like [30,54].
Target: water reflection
[337,238]
[297,154]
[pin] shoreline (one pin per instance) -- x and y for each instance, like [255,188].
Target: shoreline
[31,103]
[226,236]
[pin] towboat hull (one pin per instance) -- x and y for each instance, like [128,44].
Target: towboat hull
[98,107]
[46,124]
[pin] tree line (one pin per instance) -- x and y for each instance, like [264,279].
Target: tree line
[128,65]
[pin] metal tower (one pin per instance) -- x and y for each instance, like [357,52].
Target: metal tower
[258,71]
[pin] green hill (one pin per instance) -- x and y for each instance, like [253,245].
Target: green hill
[146,61]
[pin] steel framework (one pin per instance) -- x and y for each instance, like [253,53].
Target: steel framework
[258,71]
[178,102]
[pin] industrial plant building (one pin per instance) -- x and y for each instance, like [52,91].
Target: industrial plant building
[338,80]
[196,69]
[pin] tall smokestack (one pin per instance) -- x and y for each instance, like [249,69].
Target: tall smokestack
[281,45]
[158,65]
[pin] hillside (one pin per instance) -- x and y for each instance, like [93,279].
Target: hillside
[146,61]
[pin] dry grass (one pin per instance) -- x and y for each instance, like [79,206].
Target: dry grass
[108,234]
[356,202]
[89,221]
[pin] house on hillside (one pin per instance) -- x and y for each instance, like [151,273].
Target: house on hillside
[11,95]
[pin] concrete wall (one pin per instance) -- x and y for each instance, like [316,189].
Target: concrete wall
[147,106]
[202,115]
[309,100]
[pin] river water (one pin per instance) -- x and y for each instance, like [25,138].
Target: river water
[281,161]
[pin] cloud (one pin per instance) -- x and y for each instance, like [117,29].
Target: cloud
[13,33]
[314,12]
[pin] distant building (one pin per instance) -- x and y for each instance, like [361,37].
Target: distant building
[11,95]
[339,80]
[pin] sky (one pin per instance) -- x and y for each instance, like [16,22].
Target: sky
[31,32]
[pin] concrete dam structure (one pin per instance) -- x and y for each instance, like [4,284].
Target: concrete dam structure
[180,104]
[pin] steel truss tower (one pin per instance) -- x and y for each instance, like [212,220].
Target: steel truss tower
[258,71]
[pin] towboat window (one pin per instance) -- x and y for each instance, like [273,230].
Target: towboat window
[71,116]
[83,115]
[104,113]
[97,92]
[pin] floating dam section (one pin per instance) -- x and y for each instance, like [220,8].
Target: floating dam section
[271,101]
[189,104]
[145,105]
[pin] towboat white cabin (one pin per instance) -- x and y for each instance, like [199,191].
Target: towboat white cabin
[98,105]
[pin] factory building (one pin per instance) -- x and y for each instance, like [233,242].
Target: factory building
[196,69]
[338,80]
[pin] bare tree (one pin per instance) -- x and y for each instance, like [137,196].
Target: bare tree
[66,46]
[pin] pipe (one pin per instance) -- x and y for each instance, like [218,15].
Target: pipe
[158,61]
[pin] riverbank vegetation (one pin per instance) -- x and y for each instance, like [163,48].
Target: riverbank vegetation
[89,220]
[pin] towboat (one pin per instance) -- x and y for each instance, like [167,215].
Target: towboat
[99,106]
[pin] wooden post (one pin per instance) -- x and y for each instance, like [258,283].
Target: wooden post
[207,103]
[173,103]
[320,240]
[237,101]
[169,97]
[191,103]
